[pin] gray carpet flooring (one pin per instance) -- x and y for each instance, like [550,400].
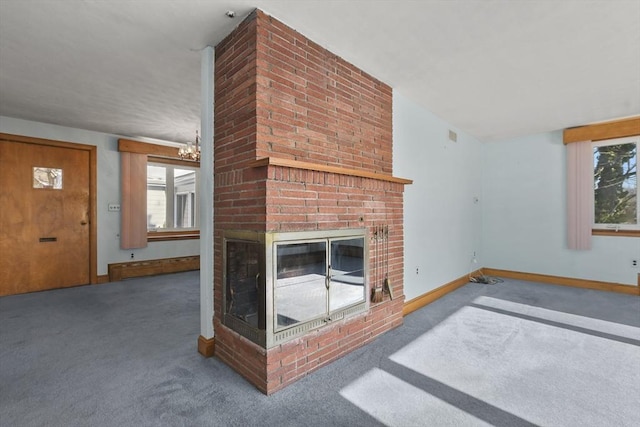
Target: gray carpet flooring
[509,354]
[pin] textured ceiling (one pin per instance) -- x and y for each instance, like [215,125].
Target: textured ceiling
[495,69]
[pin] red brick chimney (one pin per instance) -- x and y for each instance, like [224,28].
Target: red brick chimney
[303,141]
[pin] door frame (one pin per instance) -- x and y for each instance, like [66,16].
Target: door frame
[93,183]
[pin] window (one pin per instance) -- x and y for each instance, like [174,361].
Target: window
[601,181]
[158,195]
[47,178]
[171,197]
[615,184]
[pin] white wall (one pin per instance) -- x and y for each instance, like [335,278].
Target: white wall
[108,192]
[442,224]
[524,216]
[518,224]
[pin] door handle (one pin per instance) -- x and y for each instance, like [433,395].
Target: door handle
[83,222]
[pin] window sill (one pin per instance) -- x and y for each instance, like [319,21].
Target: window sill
[620,233]
[163,236]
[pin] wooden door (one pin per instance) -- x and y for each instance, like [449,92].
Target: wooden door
[44,217]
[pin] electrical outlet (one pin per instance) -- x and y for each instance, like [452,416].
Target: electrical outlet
[634,262]
[131,255]
[114,207]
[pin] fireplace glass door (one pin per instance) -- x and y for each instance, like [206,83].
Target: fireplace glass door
[245,299]
[316,278]
[301,285]
[346,285]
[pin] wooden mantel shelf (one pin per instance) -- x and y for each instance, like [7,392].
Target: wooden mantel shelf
[296,164]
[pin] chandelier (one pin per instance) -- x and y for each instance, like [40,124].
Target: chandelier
[189,151]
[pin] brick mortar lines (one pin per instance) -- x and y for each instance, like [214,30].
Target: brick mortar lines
[308,105]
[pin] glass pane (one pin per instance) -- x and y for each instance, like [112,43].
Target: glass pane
[615,184]
[347,273]
[184,189]
[156,197]
[300,289]
[244,292]
[47,178]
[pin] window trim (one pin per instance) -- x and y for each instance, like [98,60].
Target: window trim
[627,230]
[163,236]
[601,131]
[616,233]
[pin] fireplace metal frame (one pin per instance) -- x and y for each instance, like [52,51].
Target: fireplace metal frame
[273,335]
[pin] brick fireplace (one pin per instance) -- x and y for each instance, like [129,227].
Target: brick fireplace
[303,146]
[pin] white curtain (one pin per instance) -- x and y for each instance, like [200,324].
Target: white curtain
[579,195]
